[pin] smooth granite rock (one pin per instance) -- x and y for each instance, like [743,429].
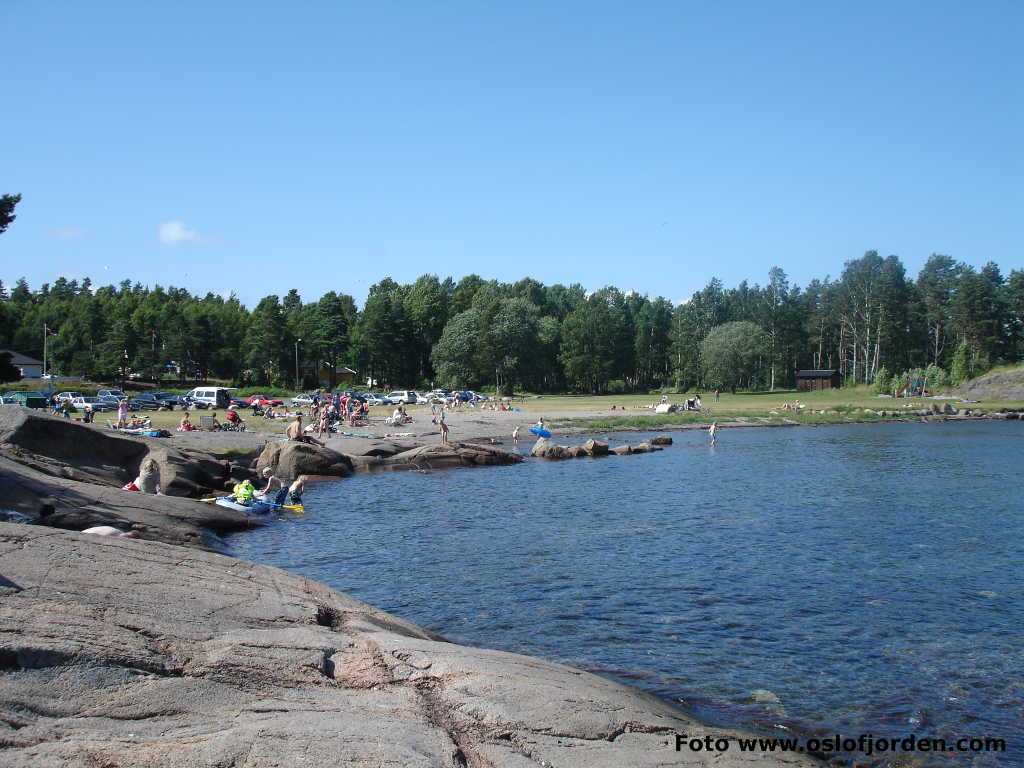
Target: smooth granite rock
[289,459]
[452,455]
[129,653]
[66,449]
[63,503]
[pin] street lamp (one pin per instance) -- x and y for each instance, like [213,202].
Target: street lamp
[298,386]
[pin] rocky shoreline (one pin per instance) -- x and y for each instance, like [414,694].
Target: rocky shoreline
[157,651]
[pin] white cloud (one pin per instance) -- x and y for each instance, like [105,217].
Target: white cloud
[70,233]
[174,231]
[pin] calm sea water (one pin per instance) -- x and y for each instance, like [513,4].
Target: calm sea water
[865,579]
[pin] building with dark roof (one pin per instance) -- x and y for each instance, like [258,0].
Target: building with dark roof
[30,367]
[817,380]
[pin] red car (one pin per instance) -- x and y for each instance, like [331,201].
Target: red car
[264,401]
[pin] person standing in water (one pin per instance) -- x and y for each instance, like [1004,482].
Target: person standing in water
[712,430]
[515,435]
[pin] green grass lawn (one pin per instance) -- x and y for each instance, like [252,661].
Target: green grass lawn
[839,405]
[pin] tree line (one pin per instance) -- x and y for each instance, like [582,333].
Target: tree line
[527,336]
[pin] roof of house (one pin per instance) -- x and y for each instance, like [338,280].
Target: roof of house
[816,374]
[19,359]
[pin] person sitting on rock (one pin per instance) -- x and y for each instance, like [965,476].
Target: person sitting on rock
[296,433]
[185,425]
[216,426]
[148,480]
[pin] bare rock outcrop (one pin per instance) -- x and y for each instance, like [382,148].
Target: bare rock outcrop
[134,654]
[65,449]
[546,449]
[453,455]
[378,448]
[61,502]
[290,459]
[1002,385]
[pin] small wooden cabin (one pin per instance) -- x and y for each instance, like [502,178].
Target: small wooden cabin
[816,381]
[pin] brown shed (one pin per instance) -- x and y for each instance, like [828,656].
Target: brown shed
[815,381]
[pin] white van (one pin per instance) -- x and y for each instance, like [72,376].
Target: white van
[211,397]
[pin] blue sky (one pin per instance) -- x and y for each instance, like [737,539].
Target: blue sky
[258,146]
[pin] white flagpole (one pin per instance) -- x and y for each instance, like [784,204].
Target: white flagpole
[45,334]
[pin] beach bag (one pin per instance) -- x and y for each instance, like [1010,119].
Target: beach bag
[130,486]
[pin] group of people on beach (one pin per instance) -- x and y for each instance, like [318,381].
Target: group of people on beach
[328,413]
[233,423]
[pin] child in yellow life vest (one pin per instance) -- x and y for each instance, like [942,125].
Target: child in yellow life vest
[244,492]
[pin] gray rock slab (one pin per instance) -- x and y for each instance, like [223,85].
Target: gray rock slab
[76,505]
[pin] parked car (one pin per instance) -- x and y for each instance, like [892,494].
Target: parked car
[61,396]
[479,397]
[167,399]
[437,395]
[145,401]
[421,399]
[97,404]
[177,400]
[263,400]
[375,399]
[404,396]
[302,401]
[117,394]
